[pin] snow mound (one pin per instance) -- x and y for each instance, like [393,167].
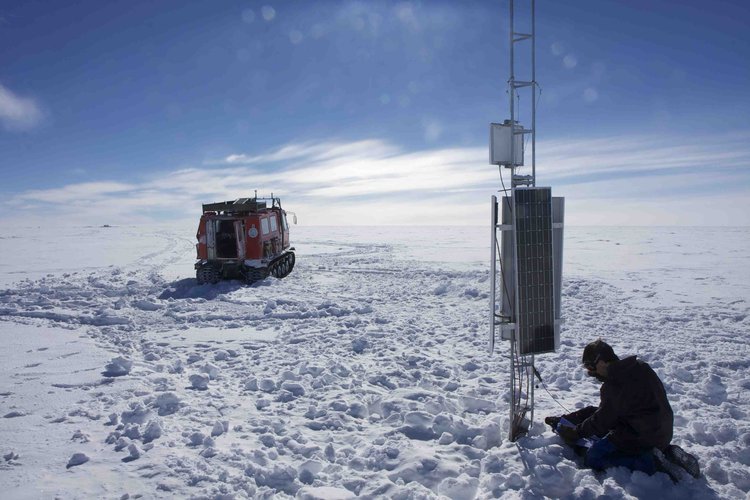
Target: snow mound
[199,381]
[117,367]
[324,493]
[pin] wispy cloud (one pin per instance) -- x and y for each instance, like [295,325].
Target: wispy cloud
[74,193]
[314,152]
[634,179]
[18,113]
[644,156]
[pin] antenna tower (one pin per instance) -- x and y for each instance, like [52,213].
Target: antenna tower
[529,220]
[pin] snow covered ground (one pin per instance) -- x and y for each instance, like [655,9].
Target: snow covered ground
[363,373]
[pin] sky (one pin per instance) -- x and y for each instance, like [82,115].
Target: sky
[367,113]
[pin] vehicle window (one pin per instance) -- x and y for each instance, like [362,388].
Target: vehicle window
[274,227]
[264,226]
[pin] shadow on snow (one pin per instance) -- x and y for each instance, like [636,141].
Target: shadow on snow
[188,288]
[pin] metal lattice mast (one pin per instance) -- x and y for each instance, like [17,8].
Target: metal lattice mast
[521,366]
[530,220]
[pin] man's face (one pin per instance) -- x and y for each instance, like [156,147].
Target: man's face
[598,369]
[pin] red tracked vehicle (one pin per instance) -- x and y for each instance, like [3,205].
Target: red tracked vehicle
[243,239]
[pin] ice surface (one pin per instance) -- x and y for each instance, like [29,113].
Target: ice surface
[363,373]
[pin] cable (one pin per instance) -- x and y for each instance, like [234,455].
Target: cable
[538,97]
[555,400]
[547,391]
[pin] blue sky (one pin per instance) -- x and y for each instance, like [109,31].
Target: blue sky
[370,112]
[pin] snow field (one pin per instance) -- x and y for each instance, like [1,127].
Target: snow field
[363,373]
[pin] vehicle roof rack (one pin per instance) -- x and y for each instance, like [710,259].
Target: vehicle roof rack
[238,206]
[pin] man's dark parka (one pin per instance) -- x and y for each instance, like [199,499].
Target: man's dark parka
[634,410]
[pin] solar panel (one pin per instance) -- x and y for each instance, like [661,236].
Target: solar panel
[536,292]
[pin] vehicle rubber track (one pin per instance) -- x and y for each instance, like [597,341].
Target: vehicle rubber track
[208,274]
[281,267]
[252,274]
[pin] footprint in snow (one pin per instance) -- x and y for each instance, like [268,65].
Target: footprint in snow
[80,437]
[77,459]
[15,414]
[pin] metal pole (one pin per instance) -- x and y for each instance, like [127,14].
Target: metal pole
[493,271]
[533,92]
[515,400]
[533,170]
[511,82]
[511,435]
[531,378]
[512,194]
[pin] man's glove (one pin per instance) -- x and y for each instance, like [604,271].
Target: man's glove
[552,422]
[569,434]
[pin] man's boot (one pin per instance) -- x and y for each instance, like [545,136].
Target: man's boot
[674,471]
[680,457]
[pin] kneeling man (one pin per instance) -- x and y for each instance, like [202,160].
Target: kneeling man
[634,421]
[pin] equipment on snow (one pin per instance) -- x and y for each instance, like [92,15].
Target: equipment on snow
[673,460]
[243,239]
[565,426]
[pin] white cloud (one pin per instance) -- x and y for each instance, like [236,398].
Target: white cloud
[76,193]
[642,155]
[315,152]
[635,180]
[694,210]
[18,113]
